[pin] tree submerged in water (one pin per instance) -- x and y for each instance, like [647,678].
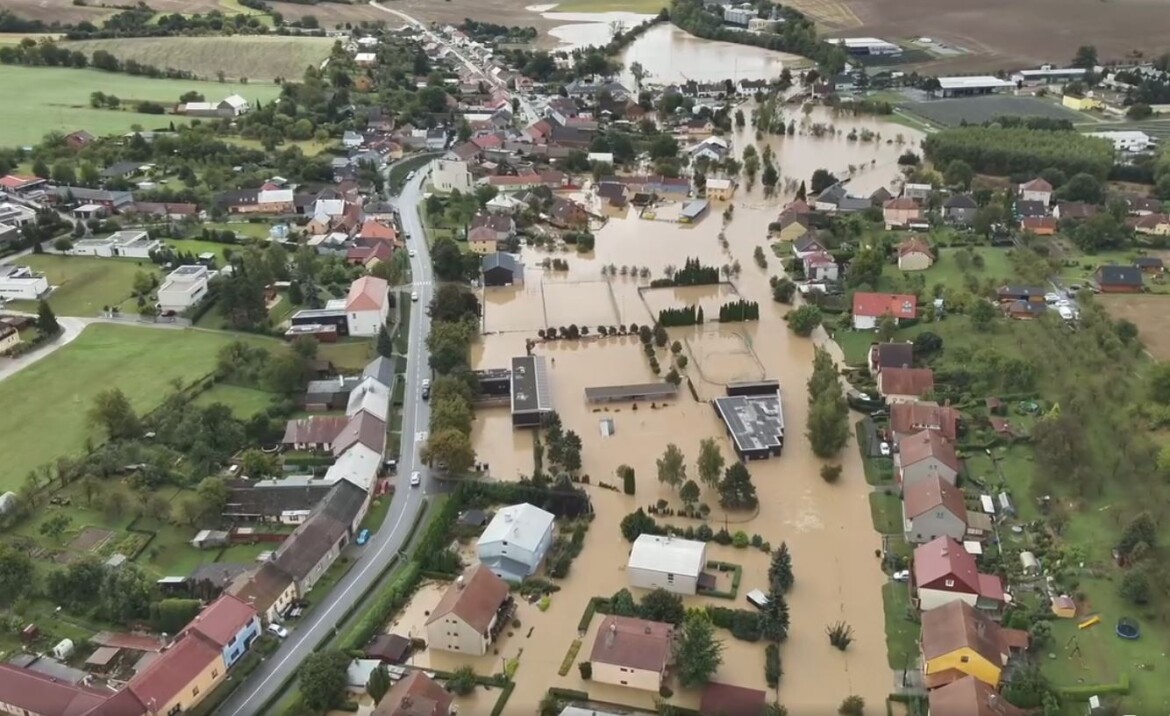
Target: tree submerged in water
[840,635]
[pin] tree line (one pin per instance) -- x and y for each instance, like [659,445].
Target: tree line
[741,310]
[1017,151]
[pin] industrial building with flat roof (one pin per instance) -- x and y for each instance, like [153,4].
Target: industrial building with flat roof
[635,391]
[965,86]
[531,397]
[754,417]
[866,46]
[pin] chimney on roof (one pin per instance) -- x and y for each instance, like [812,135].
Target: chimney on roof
[459,582]
[647,629]
[611,635]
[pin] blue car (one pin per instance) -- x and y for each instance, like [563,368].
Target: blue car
[363,537]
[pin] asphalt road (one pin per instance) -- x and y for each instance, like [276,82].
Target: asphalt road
[267,680]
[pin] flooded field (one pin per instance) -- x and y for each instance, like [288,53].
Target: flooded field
[670,54]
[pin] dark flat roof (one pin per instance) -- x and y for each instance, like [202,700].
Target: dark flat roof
[530,391]
[756,422]
[640,391]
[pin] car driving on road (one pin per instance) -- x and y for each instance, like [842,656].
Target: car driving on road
[415,479]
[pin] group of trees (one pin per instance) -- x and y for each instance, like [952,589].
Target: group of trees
[741,310]
[685,316]
[455,314]
[564,446]
[694,273]
[1007,151]
[828,419]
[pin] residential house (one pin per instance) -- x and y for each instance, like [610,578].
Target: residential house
[370,396]
[1074,211]
[730,700]
[502,226]
[78,140]
[16,214]
[568,214]
[29,692]
[288,501]
[471,613]
[330,394]
[820,266]
[807,244]
[515,542]
[501,269]
[943,571]
[914,254]
[21,283]
[121,170]
[923,455]
[316,544]
[315,433]
[128,244]
[363,428]
[901,212]
[969,696]
[1039,225]
[632,652]
[905,384]
[720,189]
[367,306]
[164,210]
[18,185]
[109,201]
[869,308]
[230,623]
[1031,209]
[1152,265]
[512,183]
[269,590]
[184,287]
[181,676]
[960,209]
[1153,224]
[1036,190]
[917,191]
[958,641]
[670,563]
[451,175]
[880,196]
[1119,279]
[933,508]
[415,694]
[1010,293]
[890,355]
[373,231]
[482,240]
[828,199]
[791,226]
[910,418]
[612,194]
[714,149]
[1024,310]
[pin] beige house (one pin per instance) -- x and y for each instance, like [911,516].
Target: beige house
[471,613]
[632,652]
[914,254]
[270,591]
[901,211]
[1153,224]
[482,240]
[720,189]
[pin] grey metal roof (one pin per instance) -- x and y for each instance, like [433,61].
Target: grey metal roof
[502,260]
[756,422]
[530,388]
[380,369]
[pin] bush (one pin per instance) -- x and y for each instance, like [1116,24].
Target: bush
[462,682]
[745,625]
[586,669]
[665,691]
[830,473]
[722,537]
[741,540]
[852,706]
[772,668]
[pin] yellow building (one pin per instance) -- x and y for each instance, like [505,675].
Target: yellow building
[1082,104]
[182,676]
[720,189]
[959,640]
[482,240]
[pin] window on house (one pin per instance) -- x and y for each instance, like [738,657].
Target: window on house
[670,579]
[215,673]
[964,659]
[195,691]
[950,582]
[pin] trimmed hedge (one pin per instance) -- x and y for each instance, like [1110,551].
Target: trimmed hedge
[502,702]
[382,608]
[1082,692]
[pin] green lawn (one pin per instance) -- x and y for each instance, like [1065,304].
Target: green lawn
[902,632]
[947,270]
[250,229]
[197,246]
[57,99]
[348,354]
[46,403]
[244,402]
[84,284]
[886,511]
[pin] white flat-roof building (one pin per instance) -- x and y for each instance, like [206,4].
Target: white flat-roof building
[978,84]
[666,562]
[866,46]
[365,59]
[21,283]
[1128,141]
[184,287]
[130,244]
[16,214]
[1049,75]
[516,541]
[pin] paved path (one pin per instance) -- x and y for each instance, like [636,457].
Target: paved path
[268,680]
[71,328]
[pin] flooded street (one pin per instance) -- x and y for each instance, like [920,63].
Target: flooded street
[827,527]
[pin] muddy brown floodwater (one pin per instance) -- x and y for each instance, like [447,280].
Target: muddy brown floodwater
[827,527]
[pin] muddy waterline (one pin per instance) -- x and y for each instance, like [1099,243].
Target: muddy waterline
[827,527]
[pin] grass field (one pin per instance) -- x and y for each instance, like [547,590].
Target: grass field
[901,631]
[46,403]
[643,6]
[975,110]
[348,354]
[254,57]
[946,269]
[886,511]
[57,99]
[85,284]
[244,402]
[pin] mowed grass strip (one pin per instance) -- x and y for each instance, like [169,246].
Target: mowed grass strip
[45,405]
[254,57]
[244,402]
[55,99]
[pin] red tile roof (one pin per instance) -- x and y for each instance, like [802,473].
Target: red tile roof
[969,696]
[174,670]
[878,304]
[633,643]
[1038,223]
[374,229]
[502,180]
[906,381]
[928,495]
[223,619]
[475,599]
[15,181]
[915,245]
[944,558]
[415,695]
[1036,184]
[957,625]
[42,694]
[729,700]
[902,202]
[318,429]
[928,444]
[368,293]
[819,258]
[912,417]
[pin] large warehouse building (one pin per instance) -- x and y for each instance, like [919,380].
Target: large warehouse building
[968,86]
[862,46]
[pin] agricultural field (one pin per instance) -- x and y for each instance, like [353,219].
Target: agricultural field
[84,285]
[1150,313]
[1004,35]
[254,57]
[641,6]
[57,99]
[976,110]
[63,11]
[47,402]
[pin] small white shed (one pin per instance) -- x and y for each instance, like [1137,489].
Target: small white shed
[63,650]
[1029,562]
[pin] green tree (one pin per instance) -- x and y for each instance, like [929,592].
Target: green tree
[982,315]
[780,570]
[852,706]
[736,491]
[662,606]
[124,594]
[16,573]
[689,493]
[449,448]
[959,174]
[257,464]
[323,679]
[774,617]
[698,653]
[804,320]
[385,345]
[886,328]
[711,462]
[47,320]
[1083,187]
[462,682]
[672,466]
[379,683]
[451,414]
[169,616]
[866,268]
[828,424]
[111,412]
[638,523]
[629,484]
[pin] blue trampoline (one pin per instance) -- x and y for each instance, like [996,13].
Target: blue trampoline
[1128,629]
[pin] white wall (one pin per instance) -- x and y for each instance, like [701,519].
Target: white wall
[27,289]
[367,323]
[453,634]
[654,579]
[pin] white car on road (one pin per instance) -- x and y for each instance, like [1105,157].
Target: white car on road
[414,296]
[412,253]
[415,479]
[278,630]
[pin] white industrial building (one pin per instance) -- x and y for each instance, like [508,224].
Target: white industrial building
[16,214]
[1047,74]
[451,175]
[666,562]
[184,287]
[131,244]
[1128,141]
[867,46]
[21,283]
[516,541]
[741,16]
[979,84]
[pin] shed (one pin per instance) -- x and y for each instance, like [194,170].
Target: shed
[1030,563]
[1005,504]
[987,504]
[389,648]
[63,650]
[103,657]
[666,562]
[1064,607]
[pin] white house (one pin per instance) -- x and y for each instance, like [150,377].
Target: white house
[1036,190]
[451,175]
[666,562]
[370,396]
[467,617]
[713,148]
[1128,141]
[515,542]
[21,283]
[184,287]
[16,214]
[367,305]
[130,244]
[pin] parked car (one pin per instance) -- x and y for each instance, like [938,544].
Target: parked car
[414,296]
[363,537]
[884,448]
[278,630]
[415,479]
[902,575]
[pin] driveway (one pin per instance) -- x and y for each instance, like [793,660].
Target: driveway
[71,328]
